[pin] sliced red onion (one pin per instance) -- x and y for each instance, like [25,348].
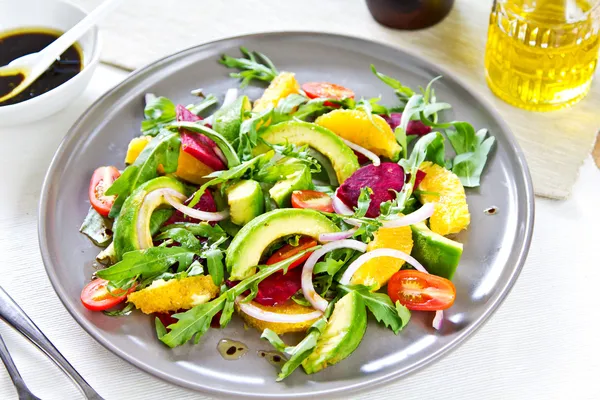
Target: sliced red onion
[197,214]
[151,201]
[413,218]
[379,253]
[307,271]
[437,320]
[369,154]
[331,237]
[230,97]
[268,316]
[339,207]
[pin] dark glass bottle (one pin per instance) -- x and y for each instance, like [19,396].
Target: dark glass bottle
[409,14]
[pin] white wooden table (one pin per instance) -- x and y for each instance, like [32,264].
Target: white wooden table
[541,344]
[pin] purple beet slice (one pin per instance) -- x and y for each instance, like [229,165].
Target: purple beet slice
[383,180]
[198,145]
[414,127]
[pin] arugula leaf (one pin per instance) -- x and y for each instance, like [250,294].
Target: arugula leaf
[147,263]
[302,153]
[299,298]
[367,107]
[162,150]
[462,137]
[183,236]
[128,309]
[279,170]
[288,104]
[364,201]
[227,312]
[436,152]
[196,321]
[392,316]
[206,103]
[236,172]
[222,143]
[403,92]
[214,262]
[97,228]
[253,65]
[297,354]
[316,107]
[248,138]
[158,111]
[160,328]
[202,229]
[469,166]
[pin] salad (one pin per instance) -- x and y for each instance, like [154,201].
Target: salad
[301,211]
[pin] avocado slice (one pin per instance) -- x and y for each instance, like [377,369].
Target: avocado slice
[321,139]
[437,253]
[281,192]
[342,335]
[247,247]
[246,201]
[137,211]
[227,120]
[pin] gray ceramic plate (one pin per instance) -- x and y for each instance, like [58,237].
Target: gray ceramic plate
[495,246]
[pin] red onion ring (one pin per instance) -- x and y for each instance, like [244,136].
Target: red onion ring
[307,271]
[150,202]
[268,316]
[339,207]
[332,237]
[413,218]
[197,214]
[437,320]
[369,154]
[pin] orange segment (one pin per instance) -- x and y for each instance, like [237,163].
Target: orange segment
[378,271]
[451,213]
[282,86]
[355,126]
[191,169]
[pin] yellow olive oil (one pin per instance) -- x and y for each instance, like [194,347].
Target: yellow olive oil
[541,54]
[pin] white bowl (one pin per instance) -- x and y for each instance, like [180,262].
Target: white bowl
[57,15]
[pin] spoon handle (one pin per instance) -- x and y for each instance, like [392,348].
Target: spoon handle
[53,51]
[22,391]
[12,314]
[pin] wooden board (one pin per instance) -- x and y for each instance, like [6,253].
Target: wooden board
[555,143]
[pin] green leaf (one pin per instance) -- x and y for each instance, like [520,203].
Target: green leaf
[234,173]
[206,103]
[436,152]
[392,316]
[249,132]
[163,149]
[401,139]
[147,263]
[196,321]
[367,107]
[274,339]
[463,138]
[290,103]
[202,229]
[159,111]
[469,166]
[403,92]
[183,236]
[300,153]
[299,298]
[253,65]
[160,328]
[214,262]
[97,228]
[128,309]
[364,201]
[222,143]
[227,312]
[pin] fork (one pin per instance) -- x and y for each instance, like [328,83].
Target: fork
[12,314]
[22,390]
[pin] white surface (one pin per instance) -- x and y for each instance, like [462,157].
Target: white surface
[57,16]
[541,344]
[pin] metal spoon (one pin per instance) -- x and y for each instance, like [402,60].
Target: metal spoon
[12,314]
[35,64]
[22,390]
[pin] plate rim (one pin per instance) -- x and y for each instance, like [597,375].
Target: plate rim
[363,385]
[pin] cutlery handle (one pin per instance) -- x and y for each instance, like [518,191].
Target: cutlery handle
[12,314]
[14,374]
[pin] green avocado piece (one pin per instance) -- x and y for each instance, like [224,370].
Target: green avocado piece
[281,192]
[247,247]
[227,120]
[137,212]
[437,253]
[246,201]
[342,335]
[321,139]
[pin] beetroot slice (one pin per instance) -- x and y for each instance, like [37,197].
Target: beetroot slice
[196,144]
[279,288]
[206,203]
[381,180]
[414,127]
[167,318]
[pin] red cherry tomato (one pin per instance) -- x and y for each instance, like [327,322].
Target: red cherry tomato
[102,178]
[287,251]
[419,291]
[326,90]
[313,200]
[96,297]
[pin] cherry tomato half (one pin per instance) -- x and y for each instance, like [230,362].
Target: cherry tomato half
[322,90]
[420,291]
[102,178]
[312,199]
[287,251]
[96,297]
